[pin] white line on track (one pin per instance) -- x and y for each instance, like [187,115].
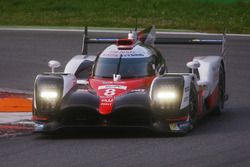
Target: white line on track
[114,31]
[15,91]
[10,117]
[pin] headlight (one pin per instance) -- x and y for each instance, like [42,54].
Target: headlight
[49,99]
[49,95]
[167,98]
[166,95]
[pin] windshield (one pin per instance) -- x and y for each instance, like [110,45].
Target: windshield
[126,67]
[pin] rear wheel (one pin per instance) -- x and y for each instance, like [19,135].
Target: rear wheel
[219,108]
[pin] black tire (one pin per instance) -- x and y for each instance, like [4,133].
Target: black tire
[193,106]
[222,84]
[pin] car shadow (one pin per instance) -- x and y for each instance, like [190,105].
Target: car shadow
[96,133]
[104,133]
[230,121]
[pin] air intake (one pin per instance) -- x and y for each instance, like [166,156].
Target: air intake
[125,43]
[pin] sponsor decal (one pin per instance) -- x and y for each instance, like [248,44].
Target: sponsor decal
[186,99]
[132,55]
[107,100]
[106,104]
[107,82]
[138,90]
[184,125]
[103,97]
[111,82]
[174,127]
[135,53]
[121,87]
[111,55]
[179,126]
[186,89]
[109,92]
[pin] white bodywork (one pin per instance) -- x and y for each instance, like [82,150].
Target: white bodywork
[68,82]
[136,52]
[186,91]
[76,61]
[70,79]
[208,67]
[209,72]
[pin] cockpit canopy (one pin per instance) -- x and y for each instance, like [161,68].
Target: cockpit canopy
[127,68]
[136,62]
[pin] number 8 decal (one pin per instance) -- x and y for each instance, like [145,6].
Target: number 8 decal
[109,92]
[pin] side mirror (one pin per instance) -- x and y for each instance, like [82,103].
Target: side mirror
[193,65]
[163,70]
[53,64]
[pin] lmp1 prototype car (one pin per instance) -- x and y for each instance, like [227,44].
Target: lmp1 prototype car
[128,85]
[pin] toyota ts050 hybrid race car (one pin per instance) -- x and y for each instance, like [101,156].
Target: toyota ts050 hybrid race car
[127,85]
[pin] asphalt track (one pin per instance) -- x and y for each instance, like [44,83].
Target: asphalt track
[217,141]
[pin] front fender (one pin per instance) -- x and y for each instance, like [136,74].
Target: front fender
[80,98]
[178,83]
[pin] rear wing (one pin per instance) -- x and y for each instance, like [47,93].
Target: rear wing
[148,36]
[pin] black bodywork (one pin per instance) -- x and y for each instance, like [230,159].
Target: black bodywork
[79,107]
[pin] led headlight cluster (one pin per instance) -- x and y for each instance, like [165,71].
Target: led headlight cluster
[167,97]
[49,94]
[48,98]
[166,94]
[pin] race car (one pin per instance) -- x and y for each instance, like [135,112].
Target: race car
[128,85]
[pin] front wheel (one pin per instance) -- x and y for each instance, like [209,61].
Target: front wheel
[221,97]
[193,107]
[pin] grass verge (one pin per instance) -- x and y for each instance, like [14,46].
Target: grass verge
[199,15]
